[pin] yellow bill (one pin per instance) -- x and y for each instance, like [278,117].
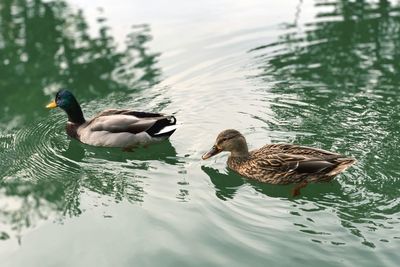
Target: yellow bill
[52,104]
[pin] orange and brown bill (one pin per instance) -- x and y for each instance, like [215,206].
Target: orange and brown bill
[213,151]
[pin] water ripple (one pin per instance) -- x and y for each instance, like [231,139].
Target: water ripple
[41,158]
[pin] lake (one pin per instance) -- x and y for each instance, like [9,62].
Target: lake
[318,73]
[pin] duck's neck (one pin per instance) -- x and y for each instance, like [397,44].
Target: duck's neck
[75,114]
[241,152]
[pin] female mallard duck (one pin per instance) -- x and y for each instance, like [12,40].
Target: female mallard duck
[279,163]
[113,127]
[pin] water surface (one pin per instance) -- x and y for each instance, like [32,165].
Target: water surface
[317,73]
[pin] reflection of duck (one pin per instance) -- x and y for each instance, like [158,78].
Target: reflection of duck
[163,151]
[113,127]
[227,184]
[279,163]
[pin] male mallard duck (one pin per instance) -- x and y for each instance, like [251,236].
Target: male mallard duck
[279,163]
[113,127]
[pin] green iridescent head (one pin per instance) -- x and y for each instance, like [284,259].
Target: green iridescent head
[66,101]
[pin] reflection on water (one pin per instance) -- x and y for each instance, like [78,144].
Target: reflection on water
[225,185]
[45,45]
[330,82]
[48,178]
[337,79]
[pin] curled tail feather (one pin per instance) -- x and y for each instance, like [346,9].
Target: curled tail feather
[163,127]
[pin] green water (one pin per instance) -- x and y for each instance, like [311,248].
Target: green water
[317,73]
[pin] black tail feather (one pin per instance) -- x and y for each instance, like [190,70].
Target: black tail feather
[160,124]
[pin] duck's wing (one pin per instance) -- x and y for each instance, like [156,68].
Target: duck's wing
[295,164]
[128,121]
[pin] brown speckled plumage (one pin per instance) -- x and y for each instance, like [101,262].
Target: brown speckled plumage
[280,163]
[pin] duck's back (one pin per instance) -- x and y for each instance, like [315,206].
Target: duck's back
[293,150]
